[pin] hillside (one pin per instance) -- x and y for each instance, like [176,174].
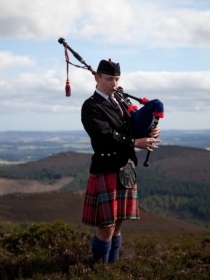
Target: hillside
[176,183]
[67,206]
[175,161]
[53,167]
[179,162]
[8,186]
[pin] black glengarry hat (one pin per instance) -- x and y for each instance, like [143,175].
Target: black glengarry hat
[109,68]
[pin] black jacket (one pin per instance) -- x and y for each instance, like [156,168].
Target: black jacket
[110,134]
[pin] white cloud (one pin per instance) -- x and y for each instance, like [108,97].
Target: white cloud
[179,91]
[104,21]
[165,81]
[111,22]
[45,19]
[44,91]
[52,83]
[10,60]
[37,19]
[186,27]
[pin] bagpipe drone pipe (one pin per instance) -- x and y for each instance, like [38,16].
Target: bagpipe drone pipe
[143,119]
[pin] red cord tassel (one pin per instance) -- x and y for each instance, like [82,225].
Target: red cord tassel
[68,88]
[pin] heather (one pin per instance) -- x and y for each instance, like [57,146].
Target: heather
[60,251]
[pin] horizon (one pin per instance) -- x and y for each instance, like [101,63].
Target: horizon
[82,130]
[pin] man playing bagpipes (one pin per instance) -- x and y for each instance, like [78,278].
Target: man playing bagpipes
[111,192]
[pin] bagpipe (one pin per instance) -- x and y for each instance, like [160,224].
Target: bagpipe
[143,119]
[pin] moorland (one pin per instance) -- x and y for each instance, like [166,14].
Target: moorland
[41,235]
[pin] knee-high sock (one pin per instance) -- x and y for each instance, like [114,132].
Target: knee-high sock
[114,252]
[100,249]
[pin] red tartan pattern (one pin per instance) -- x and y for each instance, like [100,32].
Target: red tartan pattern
[116,105]
[106,201]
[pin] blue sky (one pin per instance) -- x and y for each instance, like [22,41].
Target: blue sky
[163,48]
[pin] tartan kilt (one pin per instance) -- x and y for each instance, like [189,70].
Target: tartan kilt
[106,201]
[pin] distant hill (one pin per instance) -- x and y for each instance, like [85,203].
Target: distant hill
[26,146]
[176,183]
[175,161]
[53,167]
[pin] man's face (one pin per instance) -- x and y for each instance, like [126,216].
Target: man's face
[106,83]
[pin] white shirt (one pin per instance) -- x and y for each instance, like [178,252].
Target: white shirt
[103,94]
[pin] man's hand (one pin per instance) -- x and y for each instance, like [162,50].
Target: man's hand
[155,131]
[146,143]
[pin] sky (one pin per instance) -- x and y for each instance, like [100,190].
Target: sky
[163,48]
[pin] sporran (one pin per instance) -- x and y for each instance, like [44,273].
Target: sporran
[127,175]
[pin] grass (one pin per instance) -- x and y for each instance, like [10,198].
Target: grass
[60,251]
